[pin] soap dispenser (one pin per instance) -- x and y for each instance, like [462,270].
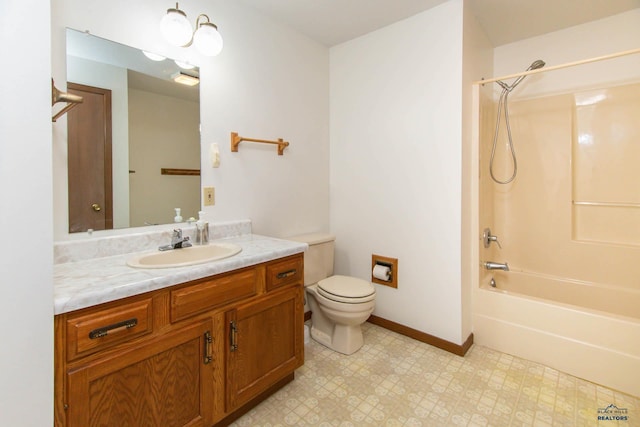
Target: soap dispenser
[178,217]
[202,230]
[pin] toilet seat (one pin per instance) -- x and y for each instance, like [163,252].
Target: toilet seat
[346,289]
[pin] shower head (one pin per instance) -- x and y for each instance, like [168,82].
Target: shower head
[538,63]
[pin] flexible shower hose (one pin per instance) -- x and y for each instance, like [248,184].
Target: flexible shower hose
[503,102]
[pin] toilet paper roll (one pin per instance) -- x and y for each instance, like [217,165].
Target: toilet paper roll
[382,272]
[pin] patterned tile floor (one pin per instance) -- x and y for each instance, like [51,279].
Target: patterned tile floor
[397,381]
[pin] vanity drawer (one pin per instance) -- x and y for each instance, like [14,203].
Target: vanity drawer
[88,333]
[210,293]
[285,272]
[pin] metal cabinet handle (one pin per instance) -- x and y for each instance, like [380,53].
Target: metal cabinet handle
[287,273]
[96,207]
[208,344]
[233,332]
[116,327]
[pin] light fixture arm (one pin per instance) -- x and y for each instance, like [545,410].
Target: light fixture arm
[177,10]
[202,15]
[198,26]
[205,35]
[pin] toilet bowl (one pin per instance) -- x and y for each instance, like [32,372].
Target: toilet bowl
[339,304]
[336,319]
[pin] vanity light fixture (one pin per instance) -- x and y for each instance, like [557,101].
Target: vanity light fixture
[185,79]
[177,30]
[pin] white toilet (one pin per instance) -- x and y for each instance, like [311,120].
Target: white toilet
[340,304]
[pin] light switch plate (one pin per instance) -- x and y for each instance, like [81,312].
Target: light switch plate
[209,196]
[214,151]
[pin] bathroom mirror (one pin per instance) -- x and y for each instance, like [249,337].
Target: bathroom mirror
[144,145]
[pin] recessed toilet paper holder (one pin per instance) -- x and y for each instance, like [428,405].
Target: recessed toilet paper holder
[391,264]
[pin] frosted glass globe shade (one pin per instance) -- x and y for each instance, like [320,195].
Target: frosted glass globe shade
[176,28]
[184,65]
[153,56]
[208,40]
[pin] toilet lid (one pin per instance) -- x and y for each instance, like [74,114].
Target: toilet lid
[346,287]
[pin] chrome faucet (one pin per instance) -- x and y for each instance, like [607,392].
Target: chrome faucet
[490,265]
[177,241]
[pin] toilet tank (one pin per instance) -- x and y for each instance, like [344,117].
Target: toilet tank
[318,259]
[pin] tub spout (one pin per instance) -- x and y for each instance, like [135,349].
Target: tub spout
[490,265]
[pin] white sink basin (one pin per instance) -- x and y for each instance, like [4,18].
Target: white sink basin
[185,256]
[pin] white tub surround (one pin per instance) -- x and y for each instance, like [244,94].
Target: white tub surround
[87,282]
[597,346]
[567,228]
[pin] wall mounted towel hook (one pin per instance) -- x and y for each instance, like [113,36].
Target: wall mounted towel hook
[58,96]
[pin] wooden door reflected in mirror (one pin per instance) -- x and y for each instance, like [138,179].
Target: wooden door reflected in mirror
[89,160]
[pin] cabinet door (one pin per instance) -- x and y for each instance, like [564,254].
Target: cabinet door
[266,343]
[166,382]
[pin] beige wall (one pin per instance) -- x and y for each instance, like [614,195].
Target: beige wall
[163,133]
[477,62]
[486,118]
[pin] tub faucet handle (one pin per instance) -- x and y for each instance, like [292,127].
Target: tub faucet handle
[487,238]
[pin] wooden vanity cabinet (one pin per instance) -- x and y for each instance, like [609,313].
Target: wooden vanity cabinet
[167,381]
[264,344]
[196,354]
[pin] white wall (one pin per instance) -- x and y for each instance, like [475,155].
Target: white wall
[269,82]
[616,33]
[26,309]
[395,183]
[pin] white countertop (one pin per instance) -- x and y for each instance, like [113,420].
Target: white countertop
[95,281]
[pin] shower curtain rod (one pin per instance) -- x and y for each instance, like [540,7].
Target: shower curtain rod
[558,67]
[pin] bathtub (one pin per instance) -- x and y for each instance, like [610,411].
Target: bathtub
[585,329]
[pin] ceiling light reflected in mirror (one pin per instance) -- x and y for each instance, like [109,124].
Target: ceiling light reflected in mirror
[153,56]
[185,79]
[185,65]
